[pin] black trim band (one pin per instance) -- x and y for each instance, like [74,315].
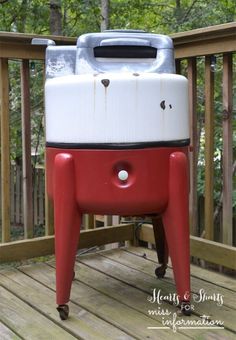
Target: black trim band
[125,52]
[119,146]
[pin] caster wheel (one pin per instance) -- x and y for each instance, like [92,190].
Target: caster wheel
[63,312]
[186,308]
[160,272]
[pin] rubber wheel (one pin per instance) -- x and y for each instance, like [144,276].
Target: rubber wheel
[186,308]
[160,272]
[63,312]
[73,277]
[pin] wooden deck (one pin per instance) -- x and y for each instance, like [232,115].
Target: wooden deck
[109,300]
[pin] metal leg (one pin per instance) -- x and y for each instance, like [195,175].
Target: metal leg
[176,224]
[161,246]
[67,228]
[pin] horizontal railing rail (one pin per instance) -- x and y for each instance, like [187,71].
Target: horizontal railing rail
[195,53]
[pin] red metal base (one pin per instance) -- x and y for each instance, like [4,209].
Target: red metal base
[86,181]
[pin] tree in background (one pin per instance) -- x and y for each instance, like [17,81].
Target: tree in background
[55,17]
[74,17]
[104,15]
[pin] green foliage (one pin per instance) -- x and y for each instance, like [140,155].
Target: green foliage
[15,111]
[84,16]
[36,103]
[24,16]
[170,16]
[37,107]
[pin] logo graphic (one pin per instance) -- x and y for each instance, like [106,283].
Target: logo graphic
[171,320]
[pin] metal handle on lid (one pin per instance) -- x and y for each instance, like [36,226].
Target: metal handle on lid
[125,42]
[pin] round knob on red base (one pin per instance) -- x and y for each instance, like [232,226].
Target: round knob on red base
[123,175]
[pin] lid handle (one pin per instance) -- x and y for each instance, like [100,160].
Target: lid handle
[125,41]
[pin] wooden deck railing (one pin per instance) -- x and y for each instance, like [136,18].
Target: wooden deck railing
[209,42]
[191,48]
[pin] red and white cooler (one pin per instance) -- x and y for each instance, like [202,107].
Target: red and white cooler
[117,139]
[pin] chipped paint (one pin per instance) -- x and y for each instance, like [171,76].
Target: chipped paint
[163,104]
[105,82]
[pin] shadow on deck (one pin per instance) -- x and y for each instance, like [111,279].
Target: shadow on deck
[109,300]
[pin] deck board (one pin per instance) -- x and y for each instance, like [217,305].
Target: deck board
[148,267]
[108,300]
[82,324]
[21,317]
[124,318]
[7,334]
[211,276]
[147,282]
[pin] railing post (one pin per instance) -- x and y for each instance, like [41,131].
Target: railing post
[5,149]
[227,148]
[209,149]
[178,66]
[89,221]
[26,151]
[49,213]
[192,85]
